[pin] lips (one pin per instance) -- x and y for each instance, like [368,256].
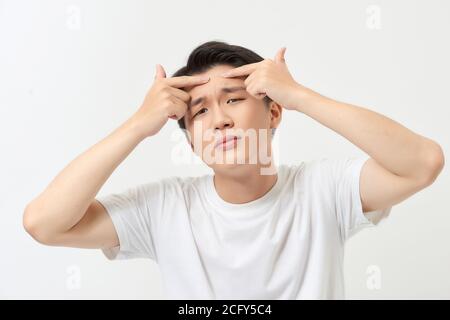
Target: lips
[225,140]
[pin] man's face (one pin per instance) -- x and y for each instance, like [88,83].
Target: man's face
[222,107]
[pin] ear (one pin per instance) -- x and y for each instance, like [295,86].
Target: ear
[275,111]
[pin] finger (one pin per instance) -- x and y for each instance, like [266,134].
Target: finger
[261,95]
[279,57]
[180,94]
[241,71]
[160,72]
[179,113]
[186,81]
[251,84]
[254,91]
[251,89]
[178,109]
[248,81]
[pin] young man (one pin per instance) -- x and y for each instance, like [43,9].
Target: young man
[242,232]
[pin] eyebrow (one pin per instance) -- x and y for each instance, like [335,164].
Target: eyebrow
[224,90]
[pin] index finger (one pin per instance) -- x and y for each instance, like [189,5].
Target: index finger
[241,71]
[186,81]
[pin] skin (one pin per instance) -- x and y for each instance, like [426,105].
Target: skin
[224,113]
[401,162]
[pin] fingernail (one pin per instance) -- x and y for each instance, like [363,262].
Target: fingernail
[225,74]
[204,79]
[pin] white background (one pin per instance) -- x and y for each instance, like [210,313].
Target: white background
[72,71]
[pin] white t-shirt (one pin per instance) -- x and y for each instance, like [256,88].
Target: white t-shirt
[287,244]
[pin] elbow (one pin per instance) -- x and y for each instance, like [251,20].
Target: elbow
[435,164]
[33,227]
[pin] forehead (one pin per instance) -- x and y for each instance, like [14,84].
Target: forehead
[216,81]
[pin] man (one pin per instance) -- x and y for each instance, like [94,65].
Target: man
[252,230]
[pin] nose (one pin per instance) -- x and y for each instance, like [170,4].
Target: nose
[221,119]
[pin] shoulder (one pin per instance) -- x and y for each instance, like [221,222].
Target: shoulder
[322,174]
[175,184]
[308,169]
[332,167]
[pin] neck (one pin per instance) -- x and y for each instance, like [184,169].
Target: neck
[244,187]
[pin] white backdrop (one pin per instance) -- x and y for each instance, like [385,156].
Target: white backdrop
[72,71]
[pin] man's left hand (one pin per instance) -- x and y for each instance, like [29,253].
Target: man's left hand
[269,77]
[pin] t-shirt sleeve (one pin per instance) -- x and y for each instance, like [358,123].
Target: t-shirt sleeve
[344,175]
[134,213]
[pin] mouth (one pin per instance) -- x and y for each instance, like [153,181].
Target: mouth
[226,141]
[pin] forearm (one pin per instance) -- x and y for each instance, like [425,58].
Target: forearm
[65,200]
[395,147]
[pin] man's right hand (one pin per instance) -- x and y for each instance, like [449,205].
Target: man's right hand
[164,100]
[61,217]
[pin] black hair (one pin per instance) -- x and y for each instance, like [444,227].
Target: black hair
[214,53]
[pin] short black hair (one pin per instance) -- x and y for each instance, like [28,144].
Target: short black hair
[215,53]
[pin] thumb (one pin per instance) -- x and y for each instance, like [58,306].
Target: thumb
[160,72]
[280,55]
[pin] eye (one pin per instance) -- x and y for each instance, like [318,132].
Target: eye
[199,112]
[234,99]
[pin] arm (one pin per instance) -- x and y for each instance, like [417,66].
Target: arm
[66,212]
[57,216]
[402,162]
